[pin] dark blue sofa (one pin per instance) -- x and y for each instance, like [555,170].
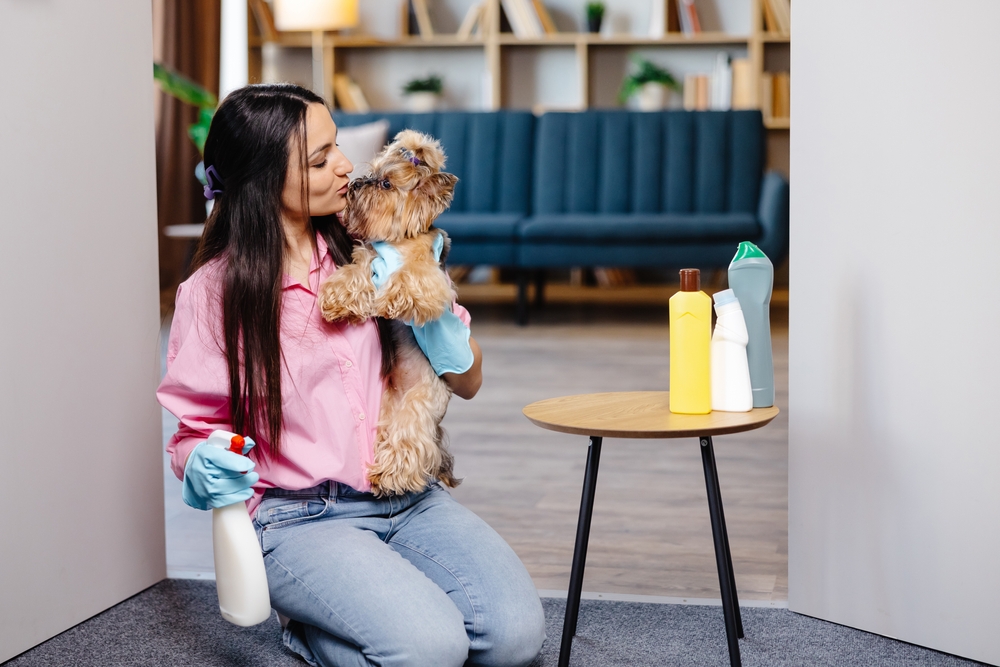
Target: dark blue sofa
[614,188]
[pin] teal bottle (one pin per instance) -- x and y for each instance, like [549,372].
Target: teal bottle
[751,277]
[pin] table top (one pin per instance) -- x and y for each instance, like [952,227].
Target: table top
[637,414]
[184,231]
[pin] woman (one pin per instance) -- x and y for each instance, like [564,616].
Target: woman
[401,580]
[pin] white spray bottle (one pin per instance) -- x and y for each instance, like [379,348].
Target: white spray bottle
[240,578]
[731,389]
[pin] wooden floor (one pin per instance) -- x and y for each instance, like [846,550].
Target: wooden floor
[651,533]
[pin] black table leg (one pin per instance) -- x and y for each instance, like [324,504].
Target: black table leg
[723,559]
[580,550]
[729,559]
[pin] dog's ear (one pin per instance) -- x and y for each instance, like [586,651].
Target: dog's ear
[439,189]
[427,201]
[423,147]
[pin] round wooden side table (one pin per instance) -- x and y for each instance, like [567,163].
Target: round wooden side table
[646,414]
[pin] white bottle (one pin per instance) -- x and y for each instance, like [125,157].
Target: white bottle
[240,578]
[731,389]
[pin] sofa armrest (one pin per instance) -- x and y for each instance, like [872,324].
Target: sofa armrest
[772,212]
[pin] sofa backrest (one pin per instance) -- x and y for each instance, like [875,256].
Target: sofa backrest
[490,152]
[619,161]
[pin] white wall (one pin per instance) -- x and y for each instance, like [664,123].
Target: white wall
[894,378]
[82,489]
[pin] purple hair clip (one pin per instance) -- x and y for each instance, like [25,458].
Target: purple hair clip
[211,190]
[412,156]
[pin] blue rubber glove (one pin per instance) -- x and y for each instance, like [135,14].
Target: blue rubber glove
[215,476]
[445,341]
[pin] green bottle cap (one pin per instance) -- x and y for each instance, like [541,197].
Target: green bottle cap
[748,249]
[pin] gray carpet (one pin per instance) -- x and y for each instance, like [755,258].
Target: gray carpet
[176,623]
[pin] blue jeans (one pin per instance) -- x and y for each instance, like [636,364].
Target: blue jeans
[415,580]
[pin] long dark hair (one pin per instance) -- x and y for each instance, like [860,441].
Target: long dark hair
[248,147]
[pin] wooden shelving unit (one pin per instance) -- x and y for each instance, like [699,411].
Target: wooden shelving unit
[761,48]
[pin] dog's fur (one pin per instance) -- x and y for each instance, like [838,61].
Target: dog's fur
[398,203]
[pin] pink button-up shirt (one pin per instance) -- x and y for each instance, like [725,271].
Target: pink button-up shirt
[330,383]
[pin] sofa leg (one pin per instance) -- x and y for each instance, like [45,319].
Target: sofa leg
[540,288]
[522,297]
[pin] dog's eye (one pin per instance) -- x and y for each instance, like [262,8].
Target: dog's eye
[385,184]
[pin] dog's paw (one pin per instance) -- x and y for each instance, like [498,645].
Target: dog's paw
[410,301]
[346,296]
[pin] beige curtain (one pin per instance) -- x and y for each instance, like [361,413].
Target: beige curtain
[186,38]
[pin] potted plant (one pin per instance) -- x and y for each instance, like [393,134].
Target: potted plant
[422,95]
[595,14]
[650,85]
[186,90]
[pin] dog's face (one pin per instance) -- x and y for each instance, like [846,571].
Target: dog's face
[404,193]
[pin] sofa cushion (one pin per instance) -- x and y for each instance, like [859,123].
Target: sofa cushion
[611,161]
[480,226]
[361,143]
[577,228]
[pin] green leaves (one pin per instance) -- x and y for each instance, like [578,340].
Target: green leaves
[431,84]
[179,86]
[647,73]
[183,88]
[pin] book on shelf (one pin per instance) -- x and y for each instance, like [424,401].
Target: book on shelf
[721,97]
[664,17]
[782,12]
[423,18]
[767,95]
[770,22]
[781,106]
[348,95]
[527,8]
[407,20]
[657,19]
[485,24]
[697,92]
[744,96]
[543,15]
[701,92]
[265,20]
[690,25]
[472,18]
[729,86]
[673,17]
[523,20]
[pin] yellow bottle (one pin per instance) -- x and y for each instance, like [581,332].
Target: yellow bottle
[690,342]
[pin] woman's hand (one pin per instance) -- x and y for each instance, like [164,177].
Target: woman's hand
[467,384]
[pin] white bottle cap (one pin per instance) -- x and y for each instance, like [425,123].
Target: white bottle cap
[724,297]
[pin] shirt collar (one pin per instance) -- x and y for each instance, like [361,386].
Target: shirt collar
[324,268]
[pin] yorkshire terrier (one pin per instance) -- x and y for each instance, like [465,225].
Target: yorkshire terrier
[398,203]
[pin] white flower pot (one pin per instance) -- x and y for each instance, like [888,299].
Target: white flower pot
[652,96]
[421,102]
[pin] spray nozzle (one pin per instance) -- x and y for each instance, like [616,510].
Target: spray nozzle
[236,444]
